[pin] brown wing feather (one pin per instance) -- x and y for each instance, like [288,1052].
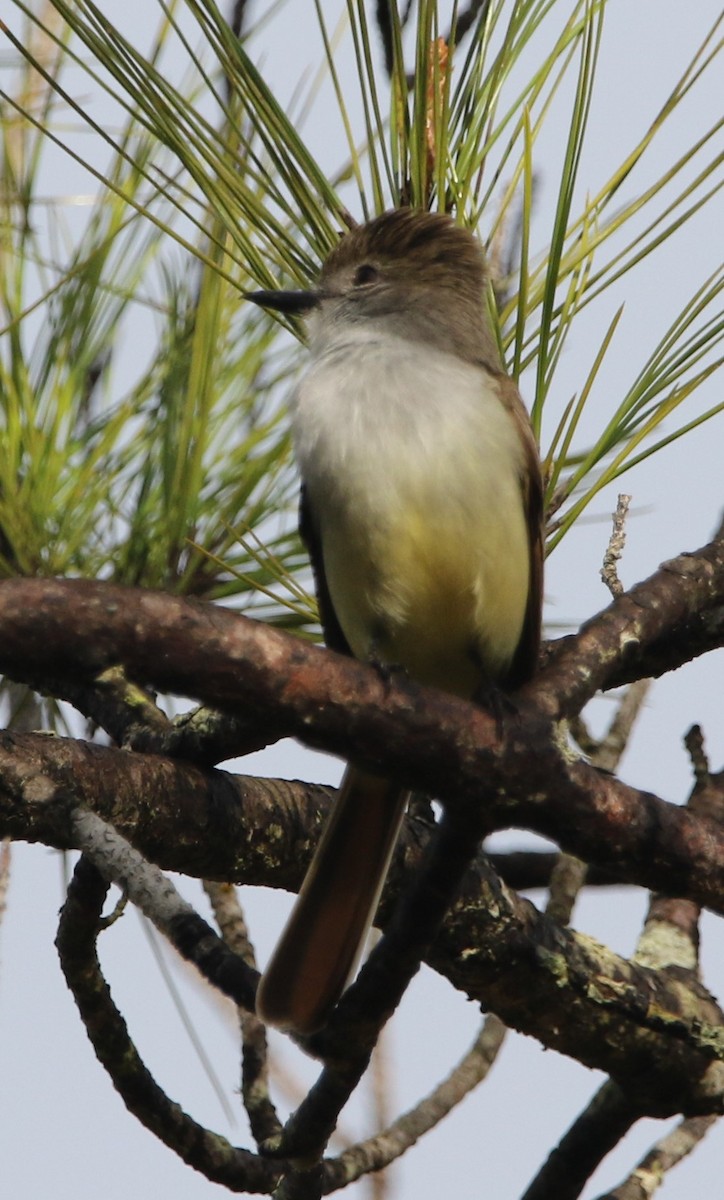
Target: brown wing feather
[331,628]
[525,660]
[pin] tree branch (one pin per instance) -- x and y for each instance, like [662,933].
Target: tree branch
[390,1144]
[570,992]
[639,629]
[667,1153]
[526,870]
[570,873]
[428,740]
[158,899]
[207,1152]
[263,1118]
[207,824]
[75,630]
[591,1137]
[527,780]
[350,1036]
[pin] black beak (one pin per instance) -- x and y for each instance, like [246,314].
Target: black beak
[286,302]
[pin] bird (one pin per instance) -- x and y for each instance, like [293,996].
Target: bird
[422,510]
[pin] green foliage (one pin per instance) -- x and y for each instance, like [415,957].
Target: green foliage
[143,463]
[178,478]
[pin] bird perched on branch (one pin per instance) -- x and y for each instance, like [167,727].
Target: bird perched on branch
[422,511]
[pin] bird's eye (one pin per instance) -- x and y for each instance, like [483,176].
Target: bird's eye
[365,274]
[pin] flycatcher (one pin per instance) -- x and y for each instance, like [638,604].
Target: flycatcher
[421,507]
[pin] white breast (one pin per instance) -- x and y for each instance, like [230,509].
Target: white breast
[412,468]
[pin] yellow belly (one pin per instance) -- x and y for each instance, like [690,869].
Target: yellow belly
[442,594]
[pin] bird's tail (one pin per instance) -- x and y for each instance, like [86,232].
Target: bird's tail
[325,934]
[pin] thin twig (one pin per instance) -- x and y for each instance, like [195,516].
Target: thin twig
[617,541]
[591,1137]
[152,892]
[570,873]
[379,1181]
[5,860]
[131,716]
[382,1149]
[208,1152]
[525,870]
[254,1059]
[581,734]
[670,938]
[670,935]
[667,1153]
[380,1097]
[353,1030]
[567,878]
[611,747]
[694,742]
[224,900]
